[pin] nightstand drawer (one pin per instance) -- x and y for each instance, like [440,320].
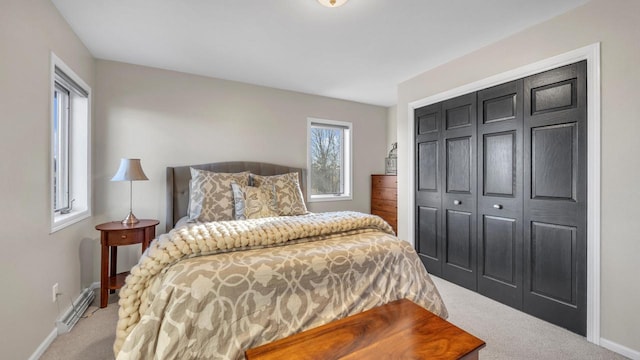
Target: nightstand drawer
[125,237]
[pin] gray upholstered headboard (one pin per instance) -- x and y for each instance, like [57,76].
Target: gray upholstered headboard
[178,182]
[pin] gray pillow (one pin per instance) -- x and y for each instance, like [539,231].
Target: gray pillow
[210,195]
[288,193]
[254,202]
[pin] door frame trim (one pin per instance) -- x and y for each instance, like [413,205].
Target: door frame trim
[591,53]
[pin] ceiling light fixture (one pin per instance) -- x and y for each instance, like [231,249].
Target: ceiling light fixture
[332,3]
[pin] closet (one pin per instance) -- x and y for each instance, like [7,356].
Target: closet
[501,193]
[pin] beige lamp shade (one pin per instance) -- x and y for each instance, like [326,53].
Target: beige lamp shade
[130,170]
[332,3]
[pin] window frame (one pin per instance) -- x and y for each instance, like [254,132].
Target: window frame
[76,147]
[60,138]
[346,179]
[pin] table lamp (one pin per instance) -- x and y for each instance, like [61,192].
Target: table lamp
[130,170]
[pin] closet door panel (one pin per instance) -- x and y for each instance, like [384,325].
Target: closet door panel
[428,232]
[554,165]
[555,250]
[552,249]
[459,165]
[499,159]
[459,176]
[498,107]
[428,125]
[499,249]
[500,193]
[428,163]
[459,240]
[459,115]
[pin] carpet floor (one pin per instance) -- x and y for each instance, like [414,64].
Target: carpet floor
[512,334]
[509,333]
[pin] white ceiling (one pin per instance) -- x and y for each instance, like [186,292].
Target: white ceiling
[360,51]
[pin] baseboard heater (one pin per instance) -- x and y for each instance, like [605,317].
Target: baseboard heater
[73,314]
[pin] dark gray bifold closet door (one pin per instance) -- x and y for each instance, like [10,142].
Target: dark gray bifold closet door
[446,189]
[428,129]
[555,202]
[459,179]
[500,193]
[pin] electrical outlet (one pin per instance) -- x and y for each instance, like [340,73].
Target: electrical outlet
[54,292]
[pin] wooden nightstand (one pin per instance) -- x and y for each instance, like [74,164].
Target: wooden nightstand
[112,235]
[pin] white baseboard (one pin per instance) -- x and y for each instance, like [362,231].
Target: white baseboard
[45,345]
[54,333]
[620,349]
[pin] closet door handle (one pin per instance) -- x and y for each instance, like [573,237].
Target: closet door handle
[497,206]
[457,202]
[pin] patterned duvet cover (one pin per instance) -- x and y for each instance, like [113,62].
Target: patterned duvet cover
[212,291]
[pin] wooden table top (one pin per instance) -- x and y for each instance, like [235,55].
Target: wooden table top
[118,225]
[398,330]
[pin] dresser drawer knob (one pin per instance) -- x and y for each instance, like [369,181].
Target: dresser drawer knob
[124,236]
[457,202]
[497,206]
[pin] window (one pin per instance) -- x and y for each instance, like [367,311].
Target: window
[329,160]
[61,148]
[70,134]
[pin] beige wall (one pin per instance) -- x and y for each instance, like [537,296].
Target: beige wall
[614,23]
[164,117]
[32,260]
[392,126]
[168,118]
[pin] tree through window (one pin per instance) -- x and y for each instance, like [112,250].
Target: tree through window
[329,159]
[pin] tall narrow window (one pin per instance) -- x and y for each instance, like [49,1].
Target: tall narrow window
[329,160]
[70,140]
[61,148]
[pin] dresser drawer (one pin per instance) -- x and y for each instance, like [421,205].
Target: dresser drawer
[387,215]
[384,205]
[125,237]
[384,194]
[384,181]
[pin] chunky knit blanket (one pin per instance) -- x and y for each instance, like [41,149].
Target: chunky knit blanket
[146,298]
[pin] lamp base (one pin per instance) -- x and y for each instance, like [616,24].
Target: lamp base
[130,219]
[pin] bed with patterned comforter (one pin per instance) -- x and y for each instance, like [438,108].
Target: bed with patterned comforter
[214,290]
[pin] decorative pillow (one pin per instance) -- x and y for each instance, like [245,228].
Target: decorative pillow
[210,195]
[288,193]
[254,202]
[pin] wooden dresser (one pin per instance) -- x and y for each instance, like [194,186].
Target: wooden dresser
[384,198]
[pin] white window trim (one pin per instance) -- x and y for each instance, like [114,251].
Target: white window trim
[348,169]
[83,204]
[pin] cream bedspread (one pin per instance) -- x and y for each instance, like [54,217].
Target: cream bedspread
[180,304]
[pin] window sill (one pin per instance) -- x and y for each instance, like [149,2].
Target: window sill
[321,198]
[60,222]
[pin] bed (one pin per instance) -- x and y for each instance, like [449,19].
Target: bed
[213,289]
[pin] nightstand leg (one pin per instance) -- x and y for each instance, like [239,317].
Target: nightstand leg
[104,271]
[114,264]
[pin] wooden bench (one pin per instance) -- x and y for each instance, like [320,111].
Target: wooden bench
[398,330]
